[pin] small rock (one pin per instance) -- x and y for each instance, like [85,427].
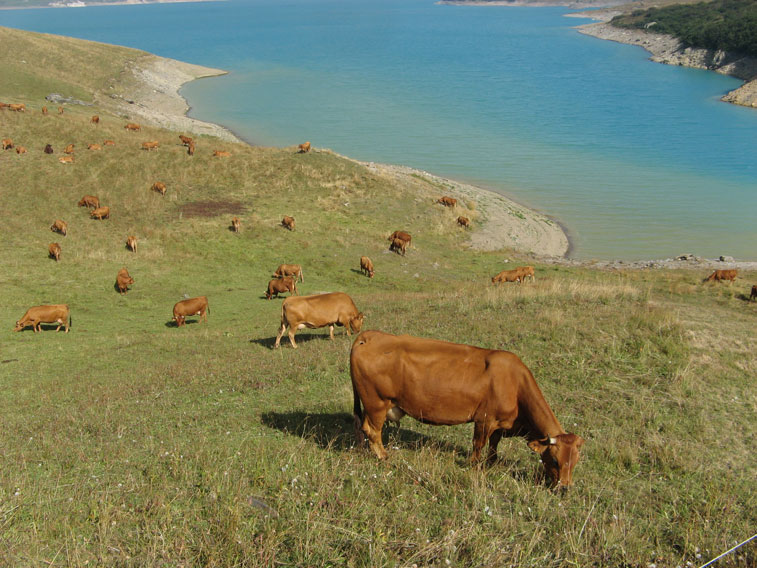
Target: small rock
[726,258]
[688,256]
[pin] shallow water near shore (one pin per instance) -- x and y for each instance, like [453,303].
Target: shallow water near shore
[638,160]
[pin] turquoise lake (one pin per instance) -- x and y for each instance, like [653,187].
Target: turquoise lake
[636,159]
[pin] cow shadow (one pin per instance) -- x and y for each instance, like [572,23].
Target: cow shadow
[300,338]
[173,323]
[336,430]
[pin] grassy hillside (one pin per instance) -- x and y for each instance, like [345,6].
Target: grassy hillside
[130,442]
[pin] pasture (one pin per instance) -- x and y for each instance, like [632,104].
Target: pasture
[132,442]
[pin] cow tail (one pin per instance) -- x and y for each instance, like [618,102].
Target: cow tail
[70,320]
[357,416]
[302,278]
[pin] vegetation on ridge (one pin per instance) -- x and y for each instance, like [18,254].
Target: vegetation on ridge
[130,442]
[728,25]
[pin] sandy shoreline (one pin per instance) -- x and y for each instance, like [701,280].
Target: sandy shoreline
[502,223]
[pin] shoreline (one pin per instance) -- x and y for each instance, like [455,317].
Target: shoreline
[502,222]
[81,4]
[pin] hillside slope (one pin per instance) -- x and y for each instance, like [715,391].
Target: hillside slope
[129,441]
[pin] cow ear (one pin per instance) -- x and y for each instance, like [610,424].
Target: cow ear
[539,446]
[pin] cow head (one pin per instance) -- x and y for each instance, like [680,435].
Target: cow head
[19,326]
[179,320]
[356,323]
[559,456]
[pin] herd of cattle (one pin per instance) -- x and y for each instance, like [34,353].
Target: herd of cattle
[433,381]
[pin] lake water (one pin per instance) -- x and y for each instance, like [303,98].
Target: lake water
[637,160]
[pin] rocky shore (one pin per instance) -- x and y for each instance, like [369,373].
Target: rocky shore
[667,49]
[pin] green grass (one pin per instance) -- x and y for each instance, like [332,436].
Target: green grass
[131,442]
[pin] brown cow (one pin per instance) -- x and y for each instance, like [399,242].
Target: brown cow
[304,148]
[151,145]
[59,227]
[280,285]
[49,149]
[55,313]
[336,308]
[20,150]
[288,270]
[123,281]
[53,251]
[133,127]
[60,110]
[366,266]
[159,186]
[236,225]
[95,119]
[221,154]
[7,143]
[464,222]
[44,110]
[448,201]
[131,243]
[89,201]
[753,295]
[527,272]
[94,147]
[288,222]
[18,107]
[66,159]
[515,275]
[401,235]
[399,246]
[444,383]
[185,140]
[191,307]
[69,149]
[109,143]
[191,149]
[3,105]
[720,275]
[100,213]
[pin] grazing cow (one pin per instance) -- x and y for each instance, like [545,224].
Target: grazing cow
[100,213]
[280,285]
[526,272]
[464,222]
[151,145]
[444,383]
[185,140]
[44,110]
[515,275]
[159,186]
[288,222]
[18,107]
[236,225]
[94,147]
[7,143]
[304,148]
[56,313]
[66,159]
[448,201]
[401,235]
[191,307]
[366,266]
[89,201]
[3,105]
[59,227]
[131,243]
[753,295]
[316,311]
[49,149]
[60,110]
[133,127]
[20,150]
[53,251]
[123,281]
[191,149]
[109,143]
[221,154]
[720,275]
[95,119]
[69,149]
[399,246]
[283,270]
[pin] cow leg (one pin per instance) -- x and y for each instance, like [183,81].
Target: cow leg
[480,435]
[281,333]
[372,426]
[60,324]
[331,331]
[494,439]
[292,330]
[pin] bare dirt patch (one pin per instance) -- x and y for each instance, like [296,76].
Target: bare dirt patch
[211,208]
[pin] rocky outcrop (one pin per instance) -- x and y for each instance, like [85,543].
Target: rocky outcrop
[668,49]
